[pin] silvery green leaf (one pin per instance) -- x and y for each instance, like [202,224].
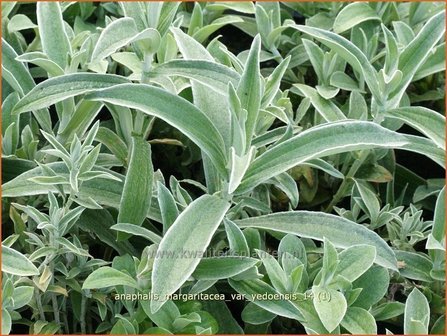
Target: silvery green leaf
[316,142]
[438,229]
[6,322]
[417,51]
[359,321]
[294,246]
[104,191]
[426,121]
[137,192]
[41,60]
[203,33]
[343,81]
[317,225]
[352,15]
[239,165]
[254,314]
[287,184]
[108,277]
[166,16]
[276,274]
[114,143]
[356,260]
[242,7]
[374,283]
[369,199]
[214,268]
[325,166]
[18,76]
[348,51]
[7,8]
[148,41]
[249,89]
[388,310]
[116,35]
[14,262]
[54,90]
[198,222]
[212,75]
[417,313]
[54,39]
[165,316]
[252,288]
[273,82]
[425,147]
[22,296]
[404,33]
[330,305]
[236,239]
[433,64]
[191,121]
[168,206]
[135,230]
[414,266]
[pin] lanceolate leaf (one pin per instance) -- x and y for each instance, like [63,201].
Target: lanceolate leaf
[252,288]
[318,225]
[135,230]
[213,104]
[425,147]
[18,77]
[174,110]
[215,268]
[137,192]
[427,121]
[348,51]
[104,191]
[114,36]
[56,89]
[213,75]
[14,262]
[317,142]
[54,39]
[352,15]
[416,52]
[190,234]
[108,277]
[328,110]
[249,89]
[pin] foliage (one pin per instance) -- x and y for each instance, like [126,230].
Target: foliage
[223,167]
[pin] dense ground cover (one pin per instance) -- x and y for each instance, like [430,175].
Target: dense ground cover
[223,167]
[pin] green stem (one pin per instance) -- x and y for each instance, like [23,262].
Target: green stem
[147,66]
[39,305]
[83,312]
[352,171]
[57,318]
[67,328]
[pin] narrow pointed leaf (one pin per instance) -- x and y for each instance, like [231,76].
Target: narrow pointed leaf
[213,75]
[426,121]
[54,39]
[191,233]
[137,192]
[14,262]
[157,102]
[318,225]
[116,35]
[317,142]
[56,89]
[108,277]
